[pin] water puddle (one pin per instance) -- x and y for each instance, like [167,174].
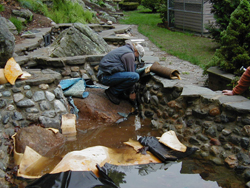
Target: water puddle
[184,173]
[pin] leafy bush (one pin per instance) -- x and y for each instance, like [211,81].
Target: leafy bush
[101,3]
[35,5]
[128,5]
[17,23]
[69,12]
[151,4]
[234,51]
[163,10]
[1,8]
[222,10]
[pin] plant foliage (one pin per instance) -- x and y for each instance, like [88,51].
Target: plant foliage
[1,8]
[235,41]
[222,10]
[62,11]
[69,12]
[100,3]
[128,5]
[35,5]
[17,23]
[151,4]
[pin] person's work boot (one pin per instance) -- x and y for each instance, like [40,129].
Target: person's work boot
[112,97]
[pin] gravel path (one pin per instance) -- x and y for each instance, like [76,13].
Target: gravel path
[190,74]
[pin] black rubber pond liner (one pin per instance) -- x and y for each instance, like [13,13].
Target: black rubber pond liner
[163,152]
[72,179]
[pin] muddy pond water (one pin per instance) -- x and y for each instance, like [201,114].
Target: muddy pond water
[185,173]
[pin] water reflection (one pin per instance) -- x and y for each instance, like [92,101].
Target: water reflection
[157,176]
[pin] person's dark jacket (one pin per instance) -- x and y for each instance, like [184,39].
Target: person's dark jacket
[118,60]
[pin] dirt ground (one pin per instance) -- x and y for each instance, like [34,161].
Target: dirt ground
[39,21]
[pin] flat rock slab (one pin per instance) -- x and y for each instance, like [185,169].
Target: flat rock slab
[45,76]
[97,110]
[194,91]
[239,106]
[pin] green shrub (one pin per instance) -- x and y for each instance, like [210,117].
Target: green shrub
[1,8]
[17,23]
[234,51]
[100,3]
[222,10]
[69,12]
[128,5]
[35,5]
[151,4]
[163,10]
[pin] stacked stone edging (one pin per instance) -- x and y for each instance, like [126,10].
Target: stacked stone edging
[218,125]
[22,105]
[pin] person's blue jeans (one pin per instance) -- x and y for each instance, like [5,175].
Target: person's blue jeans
[120,82]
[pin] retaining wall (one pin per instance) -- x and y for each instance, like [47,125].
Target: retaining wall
[218,125]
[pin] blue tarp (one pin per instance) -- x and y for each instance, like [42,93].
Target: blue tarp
[74,87]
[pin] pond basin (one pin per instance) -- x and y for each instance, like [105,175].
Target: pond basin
[188,172]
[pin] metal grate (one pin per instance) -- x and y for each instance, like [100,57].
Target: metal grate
[47,39]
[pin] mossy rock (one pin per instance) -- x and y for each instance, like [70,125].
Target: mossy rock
[128,5]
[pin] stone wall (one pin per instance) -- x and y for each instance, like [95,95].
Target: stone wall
[199,116]
[21,105]
[219,129]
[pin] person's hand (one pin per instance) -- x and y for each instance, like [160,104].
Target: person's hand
[228,92]
[132,96]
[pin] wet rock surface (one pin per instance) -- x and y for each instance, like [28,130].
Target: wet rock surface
[43,141]
[99,110]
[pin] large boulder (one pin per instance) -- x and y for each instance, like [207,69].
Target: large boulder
[7,42]
[12,27]
[79,39]
[23,13]
[43,141]
[97,110]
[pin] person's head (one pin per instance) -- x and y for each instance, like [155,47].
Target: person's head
[139,51]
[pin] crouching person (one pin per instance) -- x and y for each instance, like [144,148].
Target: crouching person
[117,70]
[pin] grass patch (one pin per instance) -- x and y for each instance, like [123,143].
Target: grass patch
[186,46]
[187,73]
[1,8]
[17,23]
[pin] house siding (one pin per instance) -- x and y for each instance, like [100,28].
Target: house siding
[190,15]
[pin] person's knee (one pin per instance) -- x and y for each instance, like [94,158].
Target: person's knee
[135,77]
